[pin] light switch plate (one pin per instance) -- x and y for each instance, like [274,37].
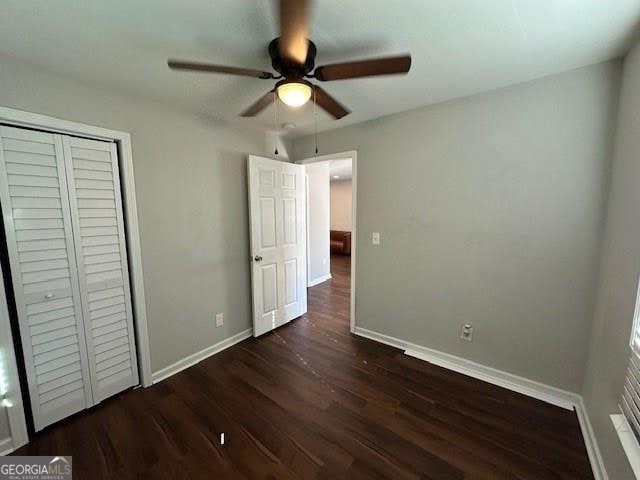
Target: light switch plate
[375,238]
[219,319]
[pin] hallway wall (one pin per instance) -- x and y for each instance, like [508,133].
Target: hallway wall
[341,205]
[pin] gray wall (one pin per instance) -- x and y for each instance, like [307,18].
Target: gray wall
[490,210]
[192,204]
[620,266]
[318,221]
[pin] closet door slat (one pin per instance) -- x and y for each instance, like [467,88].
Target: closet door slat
[101,256]
[37,222]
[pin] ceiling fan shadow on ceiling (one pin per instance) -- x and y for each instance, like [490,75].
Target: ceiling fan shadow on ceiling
[293,58]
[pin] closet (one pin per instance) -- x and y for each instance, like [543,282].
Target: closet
[63,221]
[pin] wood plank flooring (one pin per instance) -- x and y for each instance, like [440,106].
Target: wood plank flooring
[312,401]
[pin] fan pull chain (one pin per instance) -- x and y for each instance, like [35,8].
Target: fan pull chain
[315,118]
[275,123]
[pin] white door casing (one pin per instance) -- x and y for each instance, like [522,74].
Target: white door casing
[353,155]
[277,223]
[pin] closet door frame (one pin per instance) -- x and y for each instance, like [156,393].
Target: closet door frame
[122,140]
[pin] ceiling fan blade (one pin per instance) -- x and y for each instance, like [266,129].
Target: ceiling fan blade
[364,68]
[260,105]
[294,30]
[208,67]
[330,104]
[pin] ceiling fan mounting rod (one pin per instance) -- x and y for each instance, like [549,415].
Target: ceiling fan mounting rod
[287,68]
[293,57]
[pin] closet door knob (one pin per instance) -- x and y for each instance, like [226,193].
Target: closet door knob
[257,258]
[49,295]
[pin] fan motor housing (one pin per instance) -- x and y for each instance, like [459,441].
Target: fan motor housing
[292,69]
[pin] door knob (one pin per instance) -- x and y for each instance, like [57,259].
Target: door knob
[257,258]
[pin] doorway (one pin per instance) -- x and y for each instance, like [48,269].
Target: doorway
[331,185]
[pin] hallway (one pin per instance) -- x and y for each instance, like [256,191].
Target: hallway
[329,302]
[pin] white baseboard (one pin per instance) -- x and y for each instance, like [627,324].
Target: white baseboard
[319,280]
[590,442]
[381,338]
[531,388]
[6,446]
[199,356]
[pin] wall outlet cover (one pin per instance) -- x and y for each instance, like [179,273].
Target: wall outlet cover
[219,319]
[466,332]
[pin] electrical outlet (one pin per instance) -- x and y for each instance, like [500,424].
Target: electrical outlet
[219,319]
[375,238]
[466,333]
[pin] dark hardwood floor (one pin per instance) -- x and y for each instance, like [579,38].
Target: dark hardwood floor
[310,400]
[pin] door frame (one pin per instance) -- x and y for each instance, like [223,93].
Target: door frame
[353,155]
[20,118]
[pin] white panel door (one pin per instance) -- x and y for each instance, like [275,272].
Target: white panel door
[101,256]
[278,242]
[33,191]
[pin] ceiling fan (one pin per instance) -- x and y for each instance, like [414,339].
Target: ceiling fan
[293,57]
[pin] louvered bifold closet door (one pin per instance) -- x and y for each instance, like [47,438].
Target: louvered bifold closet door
[35,208]
[96,212]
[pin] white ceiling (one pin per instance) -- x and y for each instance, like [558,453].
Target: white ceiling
[459,47]
[340,169]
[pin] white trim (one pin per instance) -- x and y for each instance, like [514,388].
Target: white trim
[354,228]
[307,223]
[353,155]
[590,441]
[20,118]
[123,140]
[134,254]
[381,338]
[319,280]
[6,446]
[197,357]
[17,421]
[636,322]
[531,388]
[628,440]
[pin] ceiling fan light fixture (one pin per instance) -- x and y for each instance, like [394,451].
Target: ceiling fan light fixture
[293,57]
[294,93]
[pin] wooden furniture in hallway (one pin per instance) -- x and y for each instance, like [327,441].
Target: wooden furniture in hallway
[340,242]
